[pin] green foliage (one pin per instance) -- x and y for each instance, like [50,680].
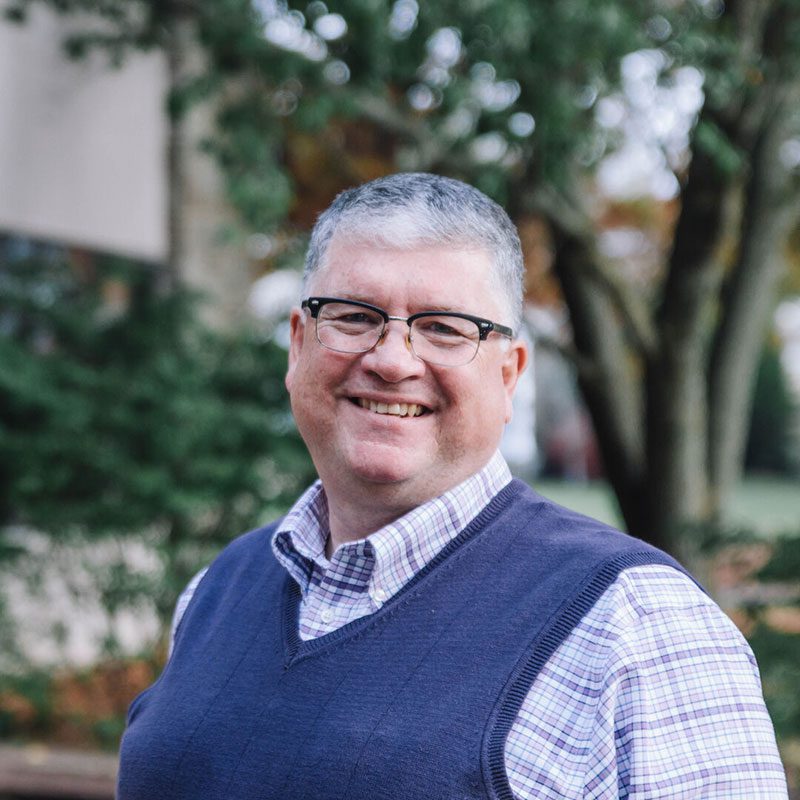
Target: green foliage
[144,421]
[778,656]
[777,648]
[556,59]
[12,659]
[34,689]
[112,424]
[86,706]
[709,138]
[784,564]
[770,444]
[108,731]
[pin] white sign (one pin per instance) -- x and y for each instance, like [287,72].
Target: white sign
[82,145]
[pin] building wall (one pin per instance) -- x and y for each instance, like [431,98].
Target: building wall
[83,161]
[81,144]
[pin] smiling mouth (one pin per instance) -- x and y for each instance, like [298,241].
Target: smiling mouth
[392,409]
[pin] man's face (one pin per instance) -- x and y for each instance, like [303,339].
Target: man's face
[401,461]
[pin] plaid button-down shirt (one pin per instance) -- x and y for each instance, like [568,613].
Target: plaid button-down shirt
[655,694]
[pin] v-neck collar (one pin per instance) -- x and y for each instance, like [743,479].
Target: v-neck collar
[346,583]
[296,649]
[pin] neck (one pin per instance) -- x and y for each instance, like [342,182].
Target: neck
[349,522]
[355,510]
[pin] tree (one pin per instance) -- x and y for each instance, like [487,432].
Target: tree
[506,94]
[139,421]
[674,447]
[769,448]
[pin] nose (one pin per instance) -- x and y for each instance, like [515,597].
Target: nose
[392,358]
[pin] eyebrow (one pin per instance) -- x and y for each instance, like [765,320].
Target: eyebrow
[364,299]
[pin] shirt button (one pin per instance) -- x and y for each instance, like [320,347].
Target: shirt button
[379,595]
[327,616]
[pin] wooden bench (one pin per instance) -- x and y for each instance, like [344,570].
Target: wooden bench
[45,773]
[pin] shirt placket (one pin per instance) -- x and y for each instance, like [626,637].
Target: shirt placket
[339,593]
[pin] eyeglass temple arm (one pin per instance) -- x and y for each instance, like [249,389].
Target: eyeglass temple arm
[487,327]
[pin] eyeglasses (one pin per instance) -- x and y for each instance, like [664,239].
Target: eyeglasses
[444,338]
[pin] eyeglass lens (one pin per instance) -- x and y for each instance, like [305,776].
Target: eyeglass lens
[444,340]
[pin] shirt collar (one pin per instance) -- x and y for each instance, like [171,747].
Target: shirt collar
[399,549]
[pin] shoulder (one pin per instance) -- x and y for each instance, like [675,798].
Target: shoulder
[657,611]
[679,690]
[250,552]
[656,688]
[654,589]
[642,614]
[548,523]
[246,552]
[651,643]
[248,542]
[586,553]
[667,655]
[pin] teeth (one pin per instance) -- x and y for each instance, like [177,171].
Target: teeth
[394,409]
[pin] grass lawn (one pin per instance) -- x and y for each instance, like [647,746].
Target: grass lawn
[767,504]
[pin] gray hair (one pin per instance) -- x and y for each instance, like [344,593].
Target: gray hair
[414,208]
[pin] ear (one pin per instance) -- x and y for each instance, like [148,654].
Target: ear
[515,360]
[297,332]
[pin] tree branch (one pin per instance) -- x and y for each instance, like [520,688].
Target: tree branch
[429,146]
[634,308]
[586,369]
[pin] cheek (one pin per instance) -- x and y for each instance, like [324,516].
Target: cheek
[489,404]
[288,380]
[301,385]
[312,380]
[466,404]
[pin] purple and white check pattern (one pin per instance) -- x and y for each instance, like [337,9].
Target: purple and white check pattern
[655,694]
[362,575]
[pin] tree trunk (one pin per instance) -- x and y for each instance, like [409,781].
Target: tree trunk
[612,385]
[770,211]
[179,43]
[676,393]
[676,483]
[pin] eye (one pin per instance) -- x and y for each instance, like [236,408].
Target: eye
[442,328]
[353,318]
[446,330]
[348,320]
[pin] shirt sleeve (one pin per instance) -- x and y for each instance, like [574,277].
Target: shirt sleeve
[180,607]
[655,694]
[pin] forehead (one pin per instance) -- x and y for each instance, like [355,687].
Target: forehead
[418,275]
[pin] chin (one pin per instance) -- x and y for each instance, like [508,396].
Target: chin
[381,474]
[381,469]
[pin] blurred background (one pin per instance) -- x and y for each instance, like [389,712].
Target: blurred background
[161,164]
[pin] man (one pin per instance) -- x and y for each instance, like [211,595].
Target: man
[419,625]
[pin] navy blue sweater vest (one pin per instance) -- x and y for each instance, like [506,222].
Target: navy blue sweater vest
[412,702]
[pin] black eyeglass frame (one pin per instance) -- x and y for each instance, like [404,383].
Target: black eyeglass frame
[485,326]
